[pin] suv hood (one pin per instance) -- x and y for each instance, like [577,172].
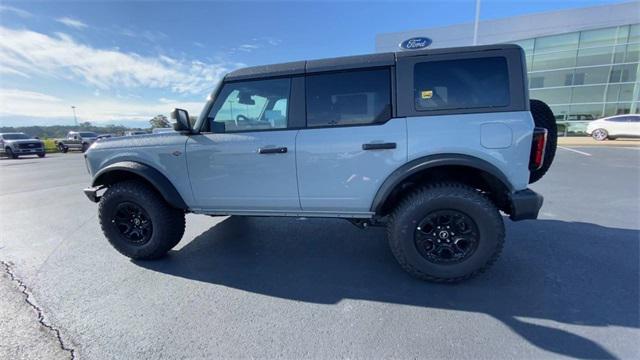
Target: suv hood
[22,141]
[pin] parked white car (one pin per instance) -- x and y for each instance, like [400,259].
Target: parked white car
[614,127]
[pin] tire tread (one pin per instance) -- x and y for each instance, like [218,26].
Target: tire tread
[433,191]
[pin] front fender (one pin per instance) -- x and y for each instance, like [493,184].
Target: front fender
[131,169]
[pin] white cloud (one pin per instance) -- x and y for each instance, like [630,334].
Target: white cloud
[6,95]
[74,23]
[16,11]
[36,54]
[38,105]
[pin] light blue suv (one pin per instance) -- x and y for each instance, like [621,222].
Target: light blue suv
[432,144]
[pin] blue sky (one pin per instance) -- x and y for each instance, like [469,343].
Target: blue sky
[128,61]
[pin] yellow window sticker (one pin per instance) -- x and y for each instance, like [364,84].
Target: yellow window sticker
[426,94]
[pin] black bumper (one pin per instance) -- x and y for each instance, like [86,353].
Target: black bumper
[525,204]
[92,193]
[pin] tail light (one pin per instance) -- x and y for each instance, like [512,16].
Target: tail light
[538,146]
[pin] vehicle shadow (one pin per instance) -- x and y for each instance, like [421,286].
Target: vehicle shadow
[566,272]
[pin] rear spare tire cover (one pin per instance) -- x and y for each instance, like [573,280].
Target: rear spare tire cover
[543,117]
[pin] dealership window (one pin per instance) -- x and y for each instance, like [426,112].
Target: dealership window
[600,37]
[461,84]
[251,106]
[348,98]
[551,79]
[557,42]
[554,60]
[552,96]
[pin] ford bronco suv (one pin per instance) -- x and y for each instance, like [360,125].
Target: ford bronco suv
[432,144]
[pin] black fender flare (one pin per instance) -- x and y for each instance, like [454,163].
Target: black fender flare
[160,182]
[433,161]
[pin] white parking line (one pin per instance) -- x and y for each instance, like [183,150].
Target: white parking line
[575,151]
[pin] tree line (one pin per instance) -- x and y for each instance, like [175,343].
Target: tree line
[60,131]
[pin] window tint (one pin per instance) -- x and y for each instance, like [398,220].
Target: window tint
[251,105]
[459,84]
[348,98]
[620,119]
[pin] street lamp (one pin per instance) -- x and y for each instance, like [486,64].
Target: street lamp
[74,115]
[475,23]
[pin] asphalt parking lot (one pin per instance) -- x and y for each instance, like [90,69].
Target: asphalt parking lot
[567,285]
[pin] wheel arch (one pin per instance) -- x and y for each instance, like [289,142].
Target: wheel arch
[443,167]
[131,170]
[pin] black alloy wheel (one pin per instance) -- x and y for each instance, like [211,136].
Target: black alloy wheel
[446,237]
[133,223]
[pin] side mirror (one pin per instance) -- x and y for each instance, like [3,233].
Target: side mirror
[181,118]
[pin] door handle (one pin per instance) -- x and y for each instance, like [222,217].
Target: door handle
[275,150]
[379,146]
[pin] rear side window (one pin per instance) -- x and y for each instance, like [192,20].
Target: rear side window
[348,98]
[461,84]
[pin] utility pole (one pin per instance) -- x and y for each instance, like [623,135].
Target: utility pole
[75,119]
[475,24]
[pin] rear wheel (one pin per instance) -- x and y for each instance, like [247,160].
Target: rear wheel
[138,222]
[446,232]
[600,134]
[543,117]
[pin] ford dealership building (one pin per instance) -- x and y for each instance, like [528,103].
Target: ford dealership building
[582,62]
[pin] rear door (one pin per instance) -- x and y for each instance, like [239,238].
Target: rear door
[351,142]
[244,157]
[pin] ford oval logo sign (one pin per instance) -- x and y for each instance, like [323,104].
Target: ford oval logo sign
[416,43]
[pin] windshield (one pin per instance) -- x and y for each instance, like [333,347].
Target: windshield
[15,136]
[88,134]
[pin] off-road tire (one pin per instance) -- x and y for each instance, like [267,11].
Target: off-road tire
[167,222]
[543,117]
[10,153]
[450,196]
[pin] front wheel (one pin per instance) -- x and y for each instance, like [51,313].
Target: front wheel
[599,134]
[62,148]
[138,222]
[446,232]
[10,153]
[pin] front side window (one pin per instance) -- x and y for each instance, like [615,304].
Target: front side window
[461,84]
[348,98]
[251,106]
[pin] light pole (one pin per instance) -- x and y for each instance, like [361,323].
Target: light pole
[475,23]
[75,119]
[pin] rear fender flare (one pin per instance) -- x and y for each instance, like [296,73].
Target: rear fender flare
[433,161]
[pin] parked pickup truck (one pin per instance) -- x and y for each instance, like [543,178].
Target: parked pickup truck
[16,144]
[76,140]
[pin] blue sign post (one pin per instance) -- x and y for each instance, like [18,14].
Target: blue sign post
[416,43]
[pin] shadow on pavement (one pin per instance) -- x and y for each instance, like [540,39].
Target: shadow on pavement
[571,273]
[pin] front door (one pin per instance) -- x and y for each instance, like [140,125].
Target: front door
[244,157]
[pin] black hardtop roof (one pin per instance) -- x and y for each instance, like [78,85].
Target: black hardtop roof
[349,62]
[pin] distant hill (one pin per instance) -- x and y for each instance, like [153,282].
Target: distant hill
[21,121]
[59,131]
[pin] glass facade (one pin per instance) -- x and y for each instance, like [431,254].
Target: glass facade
[586,75]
